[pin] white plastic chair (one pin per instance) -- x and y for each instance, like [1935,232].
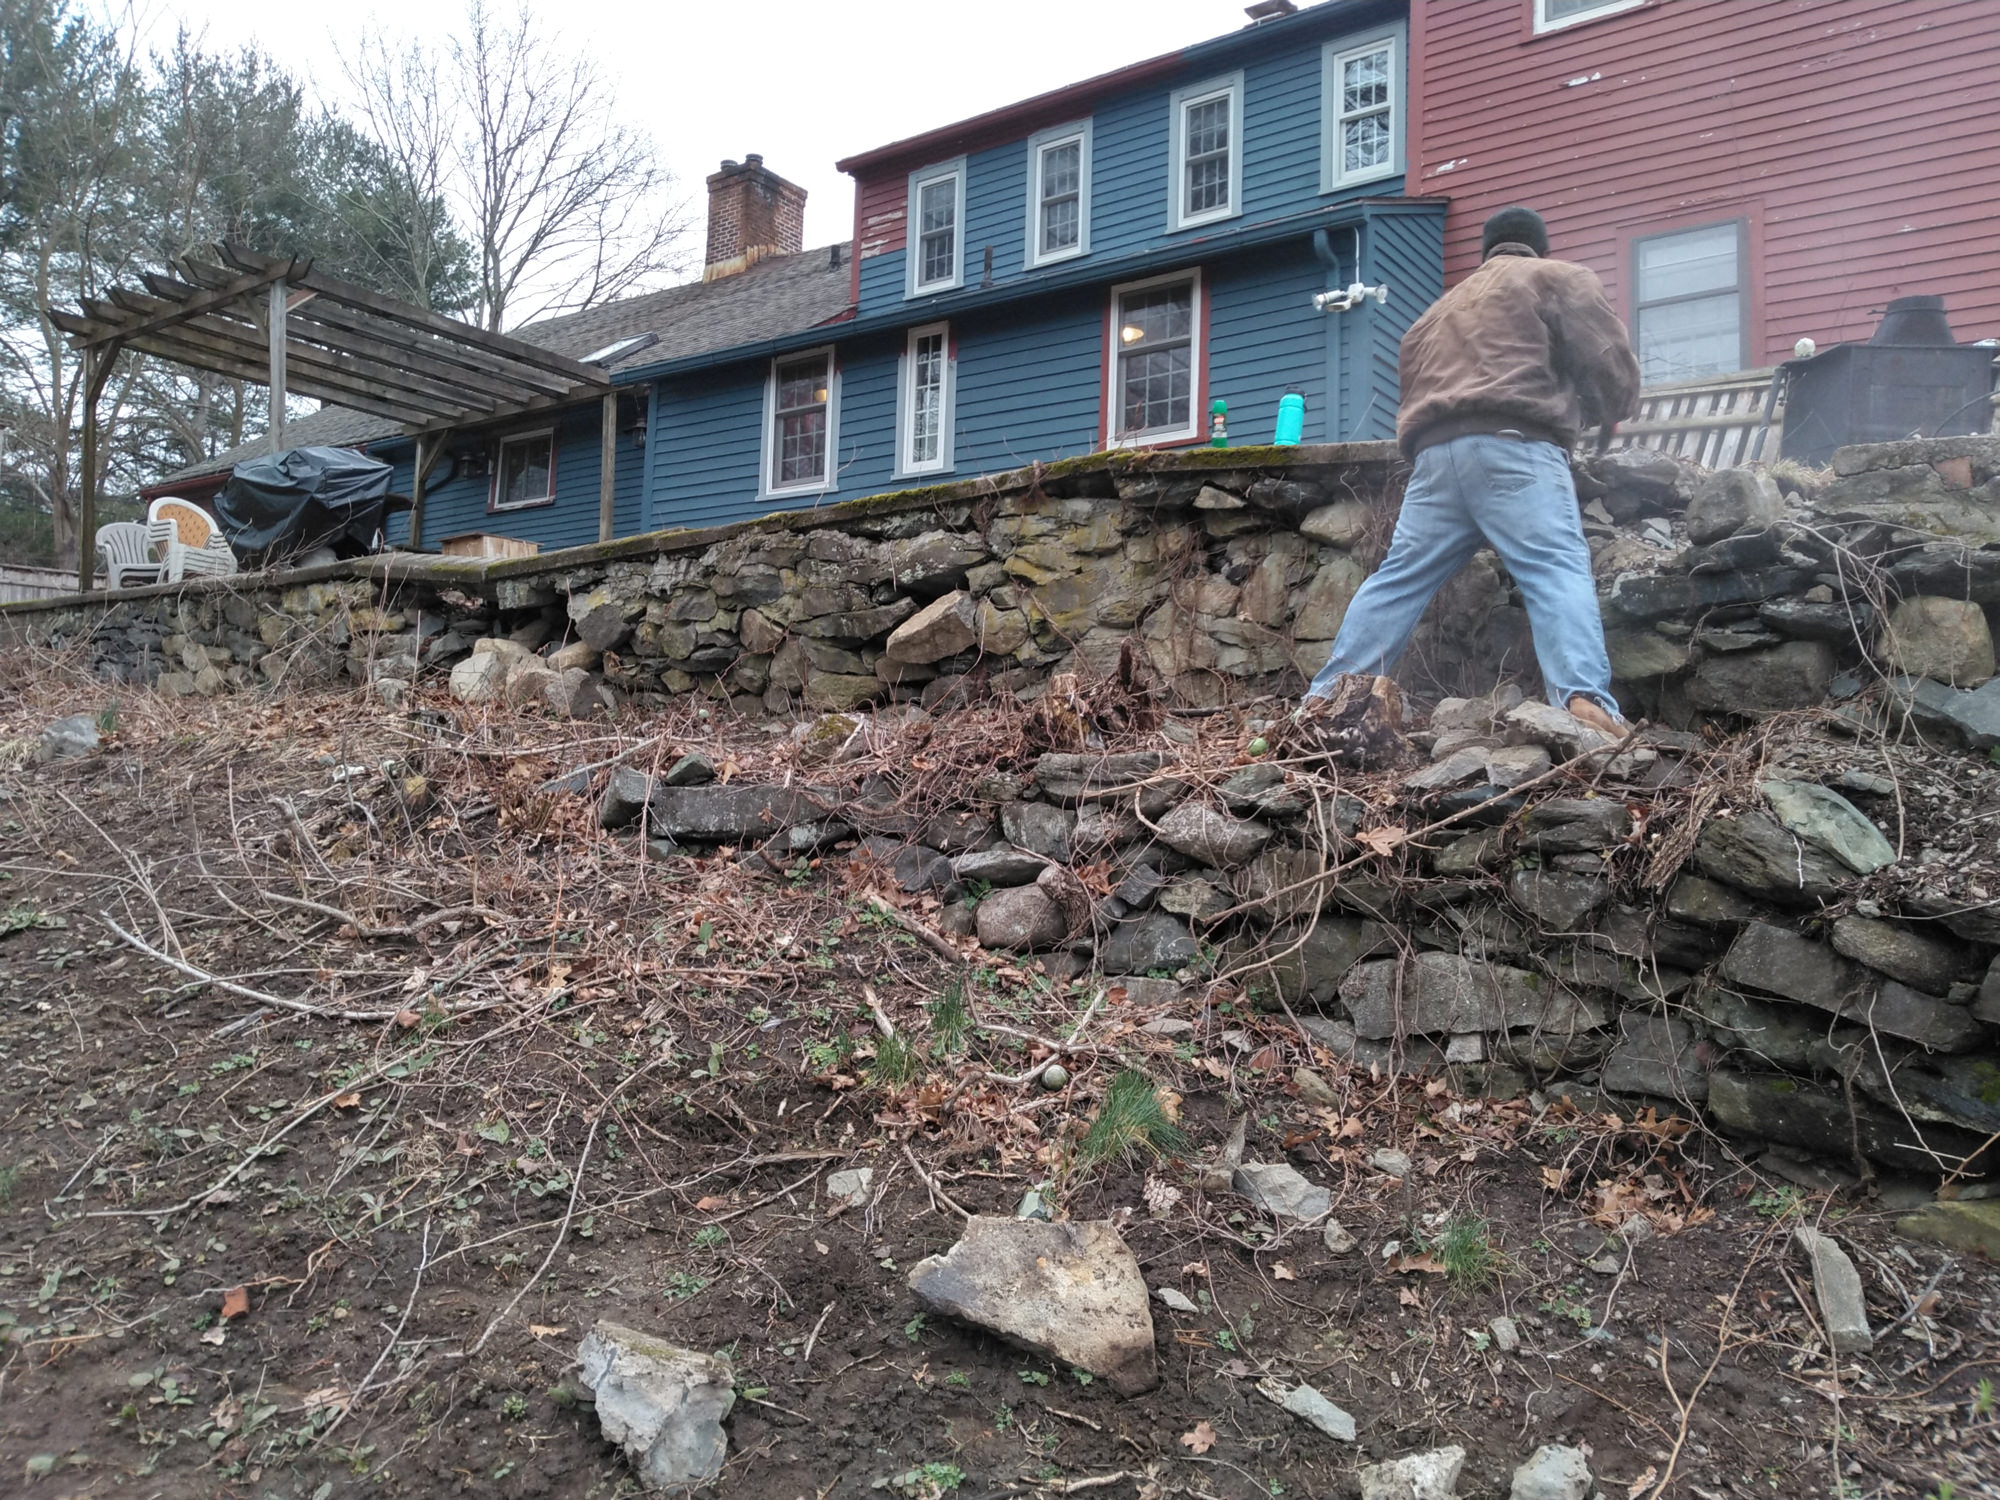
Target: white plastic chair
[187,540]
[126,551]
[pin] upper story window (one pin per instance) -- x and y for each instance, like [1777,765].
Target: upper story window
[799,423]
[926,401]
[526,473]
[1059,194]
[1688,302]
[1553,15]
[1360,105]
[1156,361]
[936,244]
[1207,153]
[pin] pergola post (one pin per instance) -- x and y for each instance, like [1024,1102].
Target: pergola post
[419,472]
[607,477]
[97,363]
[276,321]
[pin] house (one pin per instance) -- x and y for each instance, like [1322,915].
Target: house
[1094,267]
[1089,269]
[1740,175]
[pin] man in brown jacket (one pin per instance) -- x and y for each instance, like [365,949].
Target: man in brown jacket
[1499,377]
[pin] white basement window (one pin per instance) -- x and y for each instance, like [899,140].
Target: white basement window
[799,428]
[1059,194]
[1688,302]
[1361,108]
[1207,153]
[926,401]
[525,475]
[936,244]
[1553,15]
[1156,361]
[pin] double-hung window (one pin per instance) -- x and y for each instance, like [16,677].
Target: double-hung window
[525,476]
[936,229]
[1553,15]
[799,423]
[1688,302]
[1059,194]
[926,401]
[1155,366]
[1360,105]
[1206,153]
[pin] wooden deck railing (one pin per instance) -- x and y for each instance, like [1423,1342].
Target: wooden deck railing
[1713,421]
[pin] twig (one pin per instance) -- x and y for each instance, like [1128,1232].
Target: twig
[411,929]
[569,1213]
[299,1007]
[423,1259]
[887,1026]
[917,930]
[938,1194]
[813,1338]
[596,765]
[1917,1302]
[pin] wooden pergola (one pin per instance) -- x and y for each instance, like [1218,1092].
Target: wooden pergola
[284,325]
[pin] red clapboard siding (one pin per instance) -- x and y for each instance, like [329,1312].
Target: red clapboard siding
[1860,139]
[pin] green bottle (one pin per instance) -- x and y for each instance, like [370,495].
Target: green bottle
[1218,423]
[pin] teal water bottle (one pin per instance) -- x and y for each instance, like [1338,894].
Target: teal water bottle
[1291,420]
[1218,423]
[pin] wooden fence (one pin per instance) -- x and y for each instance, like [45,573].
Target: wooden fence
[34,583]
[1714,421]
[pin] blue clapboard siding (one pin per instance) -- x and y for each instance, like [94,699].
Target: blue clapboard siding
[701,457]
[1266,339]
[459,504]
[1130,178]
[1403,249]
[1028,381]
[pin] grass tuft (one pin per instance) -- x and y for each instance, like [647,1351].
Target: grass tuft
[1465,1249]
[1133,1116]
[951,1019]
[896,1061]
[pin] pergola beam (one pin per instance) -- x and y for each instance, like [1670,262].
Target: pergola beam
[193,307]
[237,368]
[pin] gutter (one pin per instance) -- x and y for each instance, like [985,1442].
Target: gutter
[1087,272]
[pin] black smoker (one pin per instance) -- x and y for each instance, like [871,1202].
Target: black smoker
[1912,379]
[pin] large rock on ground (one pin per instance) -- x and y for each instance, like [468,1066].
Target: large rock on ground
[1417,1476]
[480,677]
[1554,1472]
[662,1404]
[1153,941]
[1733,500]
[1279,1189]
[1020,919]
[1070,1292]
[1973,1227]
[1754,683]
[1946,640]
[1039,828]
[75,735]
[625,797]
[1843,1310]
[1444,994]
[1920,960]
[730,814]
[1212,836]
[1829,820]
[1753,853]
[944,627]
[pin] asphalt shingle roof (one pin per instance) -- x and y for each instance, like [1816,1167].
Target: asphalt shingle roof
[779,295]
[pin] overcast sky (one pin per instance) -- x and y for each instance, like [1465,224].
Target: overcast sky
[805,82]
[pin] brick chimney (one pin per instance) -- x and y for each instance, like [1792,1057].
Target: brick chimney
[752,213]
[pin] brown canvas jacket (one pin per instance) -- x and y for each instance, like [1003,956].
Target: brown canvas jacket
[1522,341]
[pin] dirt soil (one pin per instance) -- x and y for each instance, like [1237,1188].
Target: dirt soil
[481,1075]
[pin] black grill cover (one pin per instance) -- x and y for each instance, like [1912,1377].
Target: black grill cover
[291,502]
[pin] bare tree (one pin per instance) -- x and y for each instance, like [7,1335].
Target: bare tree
[565,207]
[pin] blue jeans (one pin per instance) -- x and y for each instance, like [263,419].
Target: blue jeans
[1516,496]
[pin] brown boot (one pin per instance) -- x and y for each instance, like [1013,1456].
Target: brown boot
[1590,711]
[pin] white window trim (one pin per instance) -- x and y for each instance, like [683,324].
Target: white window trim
[1197,360]
[767,467]
[913,235]
[906,403]
[1038,143]
[1177,218]
[1543,25]
[542,434]
[1332,178]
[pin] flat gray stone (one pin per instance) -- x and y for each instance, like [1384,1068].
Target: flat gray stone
[625,797]
[1654,1055]
[1175,1300]
[1444,994]
[1733,500]
[692,769]
[1001,865]
[1039,828]
[1019,919]
[1553,1473]
[1156,940]
[1506,1336]
[69,737]
[1829,820]
[662,1404]
[1919,959]
[1780,962]
[1070,1292]
[730,814]
[1337,1238]
[1306,1402]
[1752,852]
[1212,836]
[1417,1476]
[1557,900]
[1837,1285]
[1754,683]
[1280,1190]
